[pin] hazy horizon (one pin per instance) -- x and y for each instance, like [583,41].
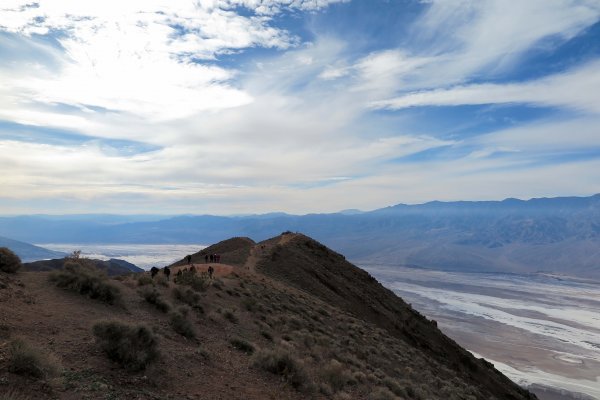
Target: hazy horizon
[145,216]
[240,106]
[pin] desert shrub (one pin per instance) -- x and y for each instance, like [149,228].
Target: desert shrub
[393,386]
[162,280]
[153,297]
[336,375]
[249,303]
[283,364]
[267,335]
[230,316]
[182,325]
[218,284]
[29,361]
[382,393]
[242,345]
[12,395]
[9,261]
[188,297]
[197,282]
[132,347]
[85,279]
[144,280]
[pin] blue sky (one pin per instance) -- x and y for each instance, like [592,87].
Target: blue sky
[243,106]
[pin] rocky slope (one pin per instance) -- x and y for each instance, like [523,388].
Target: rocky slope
[286,318]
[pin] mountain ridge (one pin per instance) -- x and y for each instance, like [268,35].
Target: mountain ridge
[554,235]
[267,307]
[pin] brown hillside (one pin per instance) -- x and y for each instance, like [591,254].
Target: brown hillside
[234,251]
[302,262]
[291,320]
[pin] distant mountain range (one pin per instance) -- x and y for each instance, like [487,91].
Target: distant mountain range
[28,252]
[560,235]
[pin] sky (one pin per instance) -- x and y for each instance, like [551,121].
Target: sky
[253,106]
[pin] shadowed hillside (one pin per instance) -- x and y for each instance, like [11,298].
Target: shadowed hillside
[111,267]
[286,318]
[28,252]
[308,265]
[234,251]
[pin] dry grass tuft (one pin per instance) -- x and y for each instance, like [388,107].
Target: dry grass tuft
[26,360]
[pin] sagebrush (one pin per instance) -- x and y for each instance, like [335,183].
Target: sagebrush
[132,347]
[153,297]
[282,363]
[24,359]
[85,279]
[9,261]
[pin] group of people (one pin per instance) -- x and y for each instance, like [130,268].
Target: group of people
[216,258]
[192,270]
[213,258]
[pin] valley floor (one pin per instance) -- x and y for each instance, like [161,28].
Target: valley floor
[542,331]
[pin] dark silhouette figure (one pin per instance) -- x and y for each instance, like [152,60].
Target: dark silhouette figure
[189,259]
[153,272]
[211,270]
[167,272]
[206,258]
[212,258]
[193,270]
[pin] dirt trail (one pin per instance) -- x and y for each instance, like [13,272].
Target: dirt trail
[220,269]
[260,250]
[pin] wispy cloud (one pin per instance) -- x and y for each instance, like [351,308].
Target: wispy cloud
[247,105]
[576,89]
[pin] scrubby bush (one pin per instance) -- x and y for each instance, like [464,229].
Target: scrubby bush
[197,282]
[26,360]
[249,303]
[132,347]
[188,297]
[230,316]
[393,386]
[336,375]
[9,261]
[161,280]
[12,395]
[153,297]
[181,324]
[382,393]
[144,280]
[242,345]
[283,364]
[79,276]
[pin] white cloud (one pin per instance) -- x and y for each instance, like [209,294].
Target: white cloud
[481,38]
[578,89]
[294,132]
[138,56]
